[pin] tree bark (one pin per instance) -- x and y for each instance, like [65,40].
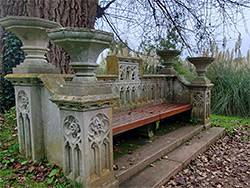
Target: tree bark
[69,13]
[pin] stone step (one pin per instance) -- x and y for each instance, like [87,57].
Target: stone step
[130,164]
[177,159]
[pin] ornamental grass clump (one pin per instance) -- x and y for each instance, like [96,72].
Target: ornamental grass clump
[231,79]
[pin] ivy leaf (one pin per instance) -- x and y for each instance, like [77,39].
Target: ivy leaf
[50,180]
[53,172]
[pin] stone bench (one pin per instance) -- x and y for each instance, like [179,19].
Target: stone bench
[143,99]
[68,119]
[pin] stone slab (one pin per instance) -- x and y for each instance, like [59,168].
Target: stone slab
[164,169]
[151,176]
[150,152]
[200,143]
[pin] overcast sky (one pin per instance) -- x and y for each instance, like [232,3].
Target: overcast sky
[132,35]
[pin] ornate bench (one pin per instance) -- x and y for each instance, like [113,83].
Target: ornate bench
[143,99]
[69,121]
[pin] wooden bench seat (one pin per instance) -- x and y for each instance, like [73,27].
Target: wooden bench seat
[127,120]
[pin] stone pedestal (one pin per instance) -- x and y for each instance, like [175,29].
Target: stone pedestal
[201,91]
[29,119]
[86,120]
[86,110]
[201,100]
[32,33]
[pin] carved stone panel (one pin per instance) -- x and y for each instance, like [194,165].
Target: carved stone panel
[23,121]
[129,71]
[201,101]
[72,159]
[99,143]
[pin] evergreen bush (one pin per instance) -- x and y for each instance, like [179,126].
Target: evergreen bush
[11,56]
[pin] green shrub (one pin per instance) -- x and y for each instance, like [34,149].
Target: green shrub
[11,56]
[231,92]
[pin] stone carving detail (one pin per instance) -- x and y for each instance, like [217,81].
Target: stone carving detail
[23,102]
[198,105]
[208,104]
[23,122]
[128,71]
[99,142]
[72,131]
[98,129]
[72,148]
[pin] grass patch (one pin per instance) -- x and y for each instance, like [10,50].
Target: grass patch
[230,123]
[16,171]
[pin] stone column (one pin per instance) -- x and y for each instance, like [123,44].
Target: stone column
[86,122]
[32,33]
[28,110]
[201,91]
[86,110]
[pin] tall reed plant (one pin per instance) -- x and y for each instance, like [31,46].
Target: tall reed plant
[231,79]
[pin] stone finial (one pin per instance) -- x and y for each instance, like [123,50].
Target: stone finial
[32,32]
[84,46]
[168,57]
[201,64]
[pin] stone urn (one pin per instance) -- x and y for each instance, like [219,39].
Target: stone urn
[84,46]
[32,32]
[168,58]
[201,64]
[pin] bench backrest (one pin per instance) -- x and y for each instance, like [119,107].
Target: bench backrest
[125,75]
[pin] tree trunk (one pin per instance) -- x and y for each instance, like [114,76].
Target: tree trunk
[73,13]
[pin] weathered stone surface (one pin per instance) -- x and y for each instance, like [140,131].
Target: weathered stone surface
[162,170]
[201,64]
[32,33]
[168,56]
[84,46]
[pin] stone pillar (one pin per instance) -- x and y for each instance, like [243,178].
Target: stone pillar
[29,118]
[201,100]
[86,110]
[201,91]
[86,122]
[32,33]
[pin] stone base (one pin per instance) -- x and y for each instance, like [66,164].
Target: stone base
[207,125]
[36,68]
[113,183]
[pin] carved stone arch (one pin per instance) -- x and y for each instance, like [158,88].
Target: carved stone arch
[128,73]
[208,104]
[122,72]
[98,136]
[128,95]
[144,92]
[23,102]
[198,103]
[152,92]
[133,95]
[122,95]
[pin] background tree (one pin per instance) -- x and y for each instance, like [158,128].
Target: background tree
[73,13]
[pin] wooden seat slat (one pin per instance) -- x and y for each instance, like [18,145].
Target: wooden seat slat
[131,119]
